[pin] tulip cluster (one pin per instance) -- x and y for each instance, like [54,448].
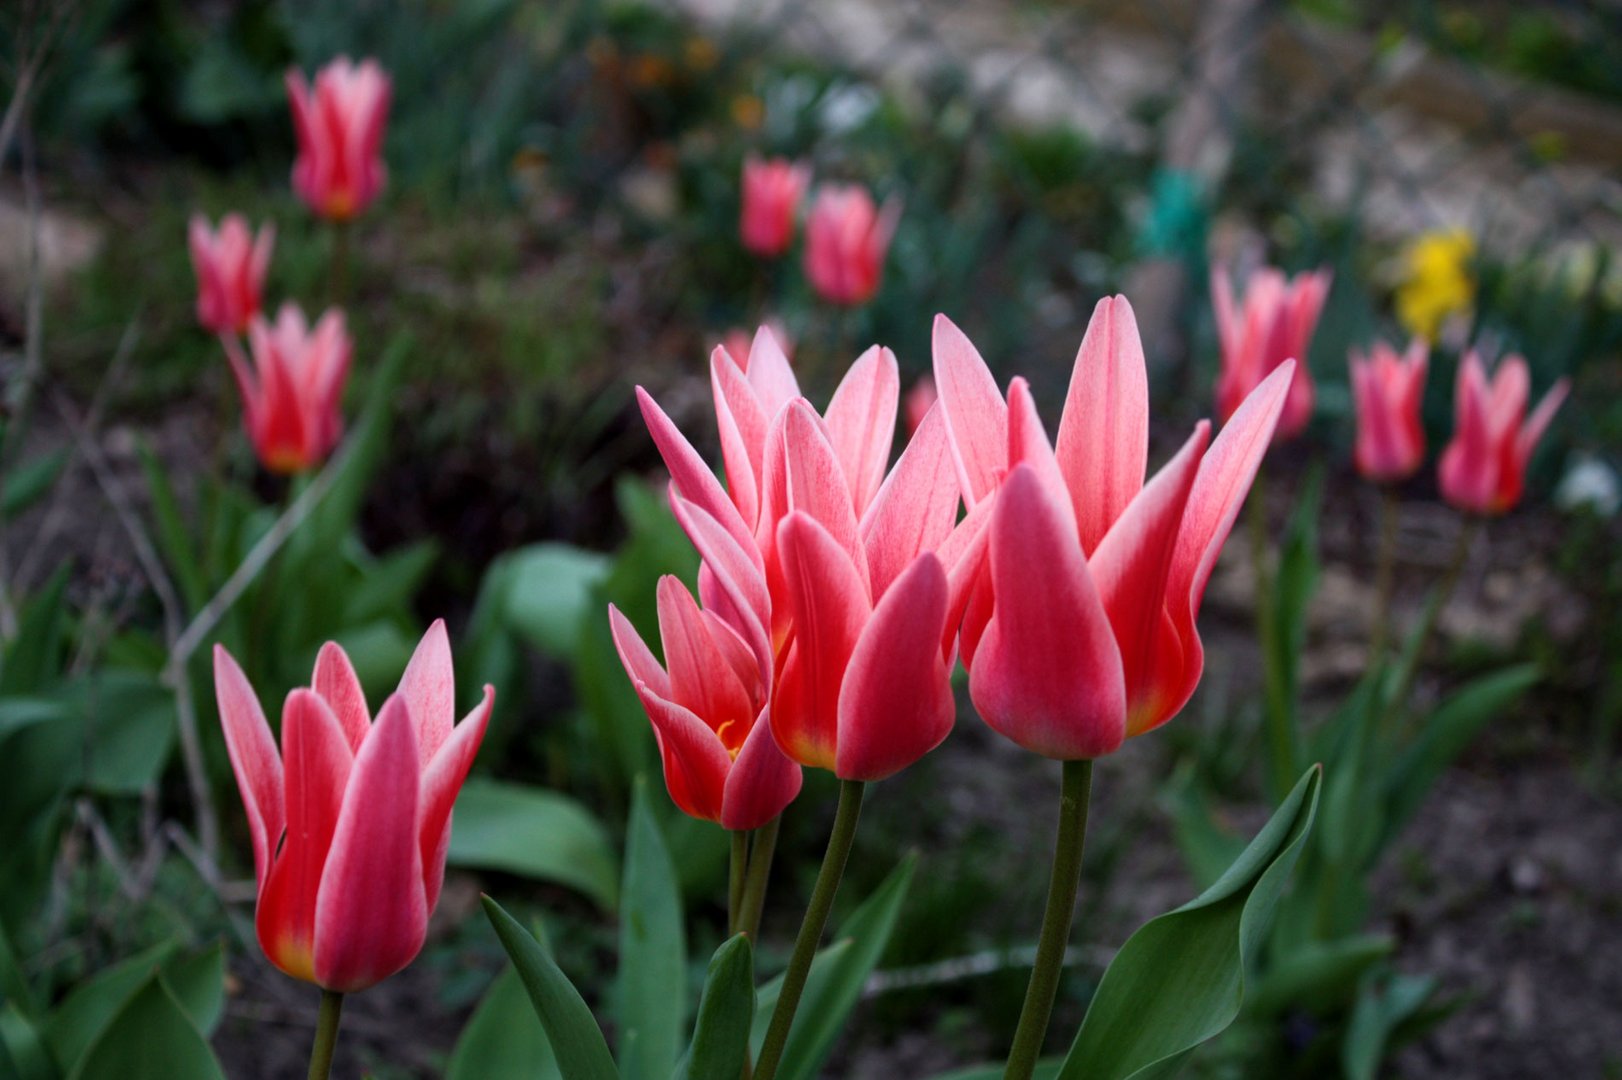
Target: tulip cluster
[847,235]
[292,388]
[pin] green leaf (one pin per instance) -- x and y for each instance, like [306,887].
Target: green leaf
[535,833]
[504,1038]
[388,583]
[576,1040]
[33,660]
[1297,581]
[1046,1069]
[1180,979]
[1316,976]
[837,977]
[14,988]
[198,983]
[549,592]
[1445,734]
[149,1038]
[1380,1009]
[129,725]
[362,450]
[652,983]
[28,481]
[721,1034]
[22,1053]
[173,540]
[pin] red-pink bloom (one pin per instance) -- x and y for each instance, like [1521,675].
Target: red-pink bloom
[1079,629]
[1388,389]
[230,266]
[339,122]
[739,343]
[772,190]
[1274,324]
[836,575]
[1483,470]
[846,239]
[351,819]
[708,708]
[919,400]
[291,394]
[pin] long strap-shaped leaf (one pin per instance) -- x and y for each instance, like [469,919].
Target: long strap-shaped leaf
[721,1034]
[572,1030]
[1180,979]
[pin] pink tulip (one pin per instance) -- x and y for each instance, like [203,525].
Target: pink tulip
[1274,324]
[739,343]
[1388,390]
[1483,470]
[290,397]
[846,239]
[708,709]
[919,400]
[339,123]
[351,820]
[838,577]
[230,266]
[1079,630]
[772,190]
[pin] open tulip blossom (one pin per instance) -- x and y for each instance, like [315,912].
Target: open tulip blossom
[1483,470]
[351,818]
[1388,389]
[846,239]
[339,121]
[1272,322]
[772,192]
[230,263]
[292,390]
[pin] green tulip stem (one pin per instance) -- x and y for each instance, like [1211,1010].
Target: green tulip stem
[338,279]
[1433,610]
[761,850]
[735,872]
[1074,797]
[1276,693]
[326,1034]
[1384,571]
[816,918]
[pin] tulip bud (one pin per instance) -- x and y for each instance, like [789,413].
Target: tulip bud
[1388,391]
[291,394]
[230,265]
[772,190]
[846,240]
[1483,470]
[339,123]
[1273,322]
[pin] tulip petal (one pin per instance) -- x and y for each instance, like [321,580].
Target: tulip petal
[770,372]
[734,574]
[335,680]
[828,605]
[702,678]
[816,480]
[254,759]
[976,416]
[761,783]
[1047,672]
[372,914]
[743,425]
[429,688]
[1028,441]
[695,762]
[1539,421]
[639,661]
[916,508]
[895,703]
[861,422]
[688,472]
[1130,569]
[1104,434]
[318,761]
[441,782]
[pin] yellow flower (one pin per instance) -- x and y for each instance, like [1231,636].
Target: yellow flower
[1438,281]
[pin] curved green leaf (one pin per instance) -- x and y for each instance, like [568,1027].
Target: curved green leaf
[838,974]
[150,1038]
[576,1039]
[1180,979]
[721,1034]
[503,1038]
[652,984]
[536,833]
[196,981]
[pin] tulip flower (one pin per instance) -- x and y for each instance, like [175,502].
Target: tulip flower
[739,343]
[846,239]
[1483,470]
[351,819]
[1081,629]
[707,706]
[230,265]
[1272,323]
[772,190]
[339,123]
[919,400]
[291,393]
[1388,390]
